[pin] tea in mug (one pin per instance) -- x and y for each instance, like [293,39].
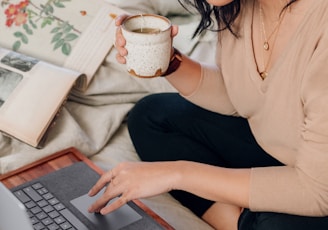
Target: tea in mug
[147,30]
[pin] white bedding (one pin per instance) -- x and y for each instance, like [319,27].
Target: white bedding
[94,122]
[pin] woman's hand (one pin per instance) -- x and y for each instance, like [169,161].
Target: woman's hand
[120,40]
[132,181]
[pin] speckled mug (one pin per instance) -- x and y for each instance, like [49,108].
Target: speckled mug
[149,44]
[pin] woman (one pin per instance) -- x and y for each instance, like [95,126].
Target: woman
[245,143]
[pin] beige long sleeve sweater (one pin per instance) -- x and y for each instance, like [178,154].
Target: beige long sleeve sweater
[287,112]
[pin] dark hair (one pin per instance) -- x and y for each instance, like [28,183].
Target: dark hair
[224,15]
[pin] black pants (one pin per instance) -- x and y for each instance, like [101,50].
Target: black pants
[166,127]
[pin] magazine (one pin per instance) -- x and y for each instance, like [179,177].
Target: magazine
[31,94]
[48,49]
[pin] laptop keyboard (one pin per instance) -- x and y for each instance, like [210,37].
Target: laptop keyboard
[45,210]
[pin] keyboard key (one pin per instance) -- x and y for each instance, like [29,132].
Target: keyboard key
[59,220]
[41,215]
[30,204]
[48,196]
[37,186]
[34,220]
[42,203]
[59,206]
[53,226]
[48,209]
[32,194]
[54,214]
[38,226]
[66,226]
[42,191]
[73,220]
[22,196]
[35,210]
[47,221]
[53,201]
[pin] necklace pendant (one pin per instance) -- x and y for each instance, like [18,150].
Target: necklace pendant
[266,46]
[264,74]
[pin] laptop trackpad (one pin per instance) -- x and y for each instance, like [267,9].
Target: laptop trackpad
[112,221]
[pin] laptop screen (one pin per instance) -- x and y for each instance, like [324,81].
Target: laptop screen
[13,214]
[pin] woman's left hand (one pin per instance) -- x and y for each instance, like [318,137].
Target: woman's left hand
[133,180]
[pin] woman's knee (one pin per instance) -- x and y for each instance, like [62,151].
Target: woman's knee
[148,105]
[278,221]
[153,109]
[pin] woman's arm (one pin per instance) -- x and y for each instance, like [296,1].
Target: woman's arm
[133,180]
[187,77]
[200,84]
[224,185]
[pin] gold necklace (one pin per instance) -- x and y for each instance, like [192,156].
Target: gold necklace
[266,45]
[265,40]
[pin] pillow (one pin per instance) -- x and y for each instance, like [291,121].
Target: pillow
[162,7]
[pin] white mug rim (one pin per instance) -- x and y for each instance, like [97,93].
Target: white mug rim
[147,15]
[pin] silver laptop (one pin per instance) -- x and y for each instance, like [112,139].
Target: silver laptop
[59,200]
[13,214]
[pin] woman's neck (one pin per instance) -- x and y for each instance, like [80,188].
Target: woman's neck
[272,9]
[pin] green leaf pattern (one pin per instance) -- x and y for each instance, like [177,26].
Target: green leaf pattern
[40,17]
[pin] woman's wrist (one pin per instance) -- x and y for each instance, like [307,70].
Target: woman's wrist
[175,174]
[175,62]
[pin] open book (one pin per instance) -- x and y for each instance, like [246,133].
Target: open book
[48,49]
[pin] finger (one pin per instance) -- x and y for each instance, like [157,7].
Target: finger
[110,192]
[101,183]
[119,20]
[120,43]
[120,59]
[98,204]
[96,207]
[113,206]
[120,40]
[175,30]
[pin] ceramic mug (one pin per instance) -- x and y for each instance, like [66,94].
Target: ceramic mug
[149,44]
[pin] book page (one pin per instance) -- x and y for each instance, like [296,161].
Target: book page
[70,33]
[31,93]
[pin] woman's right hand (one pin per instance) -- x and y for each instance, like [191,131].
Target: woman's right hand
[120,40]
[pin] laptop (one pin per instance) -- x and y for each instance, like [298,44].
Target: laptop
[59,200]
